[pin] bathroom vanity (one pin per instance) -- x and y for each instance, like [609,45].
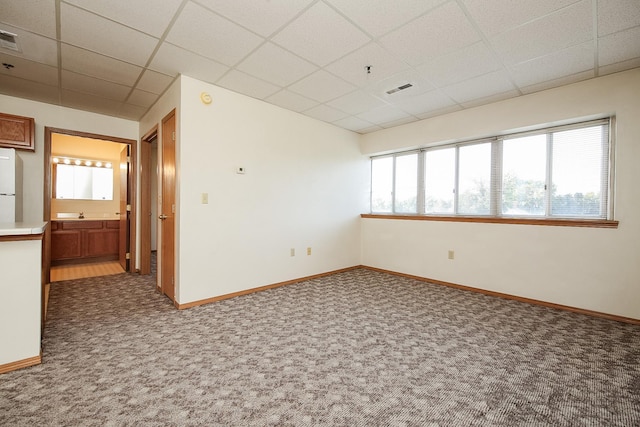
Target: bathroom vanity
[84,240]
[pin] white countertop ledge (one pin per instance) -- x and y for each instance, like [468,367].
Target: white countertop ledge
[22,228]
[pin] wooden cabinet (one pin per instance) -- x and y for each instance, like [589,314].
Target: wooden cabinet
[17,132]
[84,241]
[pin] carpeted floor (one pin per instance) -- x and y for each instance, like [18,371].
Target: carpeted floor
[360,348]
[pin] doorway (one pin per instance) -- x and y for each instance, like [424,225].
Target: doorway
[114,231]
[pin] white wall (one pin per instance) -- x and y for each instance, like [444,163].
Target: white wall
[62,118]
[305,186]
[594,269]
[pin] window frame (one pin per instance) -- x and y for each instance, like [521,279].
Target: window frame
[496,180]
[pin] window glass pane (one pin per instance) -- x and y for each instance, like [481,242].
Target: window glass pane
[474,179]
[406,183]
[440,176]
[577,172]
[381,184]
[524,175]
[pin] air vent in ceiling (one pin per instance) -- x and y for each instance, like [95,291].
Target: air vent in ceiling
[9,40]
[399,88]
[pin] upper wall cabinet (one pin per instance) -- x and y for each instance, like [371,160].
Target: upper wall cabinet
[17,132]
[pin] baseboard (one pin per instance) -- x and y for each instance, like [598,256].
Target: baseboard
[512,297]
[24,363]
[259,289]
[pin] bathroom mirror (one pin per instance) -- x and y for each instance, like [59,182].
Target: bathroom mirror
[80,182]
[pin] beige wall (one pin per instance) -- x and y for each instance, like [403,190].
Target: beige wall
[595,269]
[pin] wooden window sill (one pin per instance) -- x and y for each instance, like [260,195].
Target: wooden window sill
[592,223]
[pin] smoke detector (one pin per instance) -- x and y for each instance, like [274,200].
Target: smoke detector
[399,88]
[9,40]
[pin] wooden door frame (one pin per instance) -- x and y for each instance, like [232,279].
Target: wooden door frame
[145,199]
[48,132]
[161,184]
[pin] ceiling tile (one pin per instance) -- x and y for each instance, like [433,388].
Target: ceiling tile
[425,103]
[33,47]
[131,112]
[134,13]
[262,16]
[353,123]
[419,85]
[102,67]
[291,101]
[274,64]
[479,87]
[558,82]
[154,82]
[21,88]
[321,35]
[570,26]
[356,102]
[352,67]
[85,84]
[83,101]
[498,16]
[322,86]
[619,66]
[325,113]
[29,70]
[107,37]
[38,16]
[247,85]
[617,15]
[172,60]
[142,98]
[382,115]
[202,31]
[398,122]
[378,17]
[370,129]
[434,113]
[550,67]
[470,61]
[494,97]
[424,39]
[619,47]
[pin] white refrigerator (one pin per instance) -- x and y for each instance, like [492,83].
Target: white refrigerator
[10,186]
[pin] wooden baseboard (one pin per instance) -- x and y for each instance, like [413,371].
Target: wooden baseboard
[513,297]
[24,363]
[258,289]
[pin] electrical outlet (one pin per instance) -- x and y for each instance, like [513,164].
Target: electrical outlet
[451,254]
[308,251]
[293,252]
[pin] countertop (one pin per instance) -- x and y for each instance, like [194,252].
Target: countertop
[116,218]
[22,228]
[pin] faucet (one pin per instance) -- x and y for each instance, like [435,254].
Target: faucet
[81,216]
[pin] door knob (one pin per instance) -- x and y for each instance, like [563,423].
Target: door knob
[163,216]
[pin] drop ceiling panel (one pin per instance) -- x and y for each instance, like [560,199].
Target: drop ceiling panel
[549,84]
[619,47]
[567,27]
[29,70]
[353,123]
[479,87]
[566,62]
[413,77]
[99,66]
[31,15]
[107,37]
[617,15]
[425,103]
[619,66]
[291,101]
[202,31]
[264,20]
[131,112]
[382,115]
[325,113]
[378,17]
[441,31]
[276,65]
[322,86]
[356,102]
[172,60]
[352,67]
[321,35]
[22,88]
[85,101]
[150,18]
[154,82]
[33,46]
[142,98]
[502,15]
[470,61]
[248,85]
[90,85]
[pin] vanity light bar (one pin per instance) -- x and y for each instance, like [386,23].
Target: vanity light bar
[84,162]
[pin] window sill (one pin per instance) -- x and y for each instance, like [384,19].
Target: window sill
[592,223]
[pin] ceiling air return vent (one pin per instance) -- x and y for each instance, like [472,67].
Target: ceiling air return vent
[9,40]
[399,88]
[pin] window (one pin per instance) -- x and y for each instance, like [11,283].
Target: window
[560,172]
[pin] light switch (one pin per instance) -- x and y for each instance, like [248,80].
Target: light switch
[205,198]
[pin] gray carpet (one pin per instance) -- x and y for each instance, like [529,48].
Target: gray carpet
[360,348]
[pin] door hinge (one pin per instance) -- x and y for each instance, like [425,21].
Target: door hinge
[128,208]
[127,255]
[172,281]
[173,136]
[128,159]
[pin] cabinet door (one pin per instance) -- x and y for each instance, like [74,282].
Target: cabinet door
[102,242]
[66,244]
[17,132]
